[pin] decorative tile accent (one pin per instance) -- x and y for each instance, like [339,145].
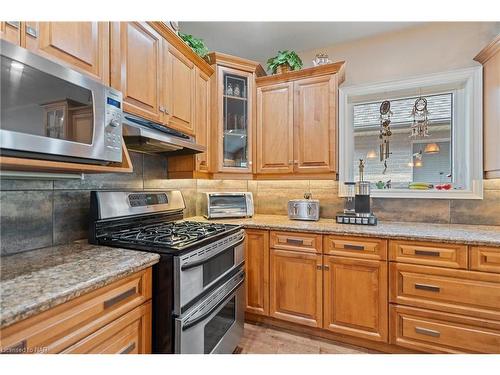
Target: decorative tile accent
[100,181]
[414,210]
[71,215]
[25,220]
[482,212]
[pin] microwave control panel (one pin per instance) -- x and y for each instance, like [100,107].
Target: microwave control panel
[113,124]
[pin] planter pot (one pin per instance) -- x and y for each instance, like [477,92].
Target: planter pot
[283,68]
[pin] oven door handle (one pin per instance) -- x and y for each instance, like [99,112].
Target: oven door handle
[195,321]
[203,261]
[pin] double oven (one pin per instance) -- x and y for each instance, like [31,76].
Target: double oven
[209,297]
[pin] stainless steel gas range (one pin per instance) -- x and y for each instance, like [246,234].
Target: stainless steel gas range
[198,294]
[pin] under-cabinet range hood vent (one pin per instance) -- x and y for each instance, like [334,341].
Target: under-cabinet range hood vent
[145,136]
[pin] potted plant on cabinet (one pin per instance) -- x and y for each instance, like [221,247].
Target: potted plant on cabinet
[284,61]
[196,44]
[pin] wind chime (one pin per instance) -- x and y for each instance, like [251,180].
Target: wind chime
[385,132]
[420,126]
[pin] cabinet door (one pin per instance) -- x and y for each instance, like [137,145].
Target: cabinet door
[135,68]
[355,297]
[234,120]
[179,90]
[202,119]
[82,45]
[129,334]
[315,119]
[296,287]
[275,128]
[11,31]
[257,271]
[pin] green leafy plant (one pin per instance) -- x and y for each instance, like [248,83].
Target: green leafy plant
[197,44]
[284,57]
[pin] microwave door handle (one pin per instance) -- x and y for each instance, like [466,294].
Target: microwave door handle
[195,321]
[203,261]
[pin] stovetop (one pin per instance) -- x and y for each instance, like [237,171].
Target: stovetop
[167,236]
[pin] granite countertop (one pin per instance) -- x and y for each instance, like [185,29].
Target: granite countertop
[35,281]
[452,233]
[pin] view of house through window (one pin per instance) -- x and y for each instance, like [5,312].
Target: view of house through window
[425,159]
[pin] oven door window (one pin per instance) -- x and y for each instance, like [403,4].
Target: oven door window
[37,103]
[217,327]
[217,266]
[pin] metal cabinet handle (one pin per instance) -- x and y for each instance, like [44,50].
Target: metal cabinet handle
[14,24]
[120,297]
[354,247]
[128,349]
[294,241]
[430,288]
[427,332]
[290,162]
[319,267]
[428,253]
[162,109]
[326,267]
[31,31]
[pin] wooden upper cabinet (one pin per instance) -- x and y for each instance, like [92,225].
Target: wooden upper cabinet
[257,271]
[136,61]
[274,130]
[355,297]
[179,90]
[296,287]
[81,45]
[490,58]
[202,119]
[315,120]
[11,31]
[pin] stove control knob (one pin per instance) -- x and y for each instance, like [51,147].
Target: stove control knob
[114,123]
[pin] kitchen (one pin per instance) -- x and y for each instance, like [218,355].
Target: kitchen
[167,188]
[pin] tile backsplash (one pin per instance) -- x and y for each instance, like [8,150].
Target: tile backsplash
[39,213]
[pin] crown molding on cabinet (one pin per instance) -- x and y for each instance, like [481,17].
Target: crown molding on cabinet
[489,51]
[236,62]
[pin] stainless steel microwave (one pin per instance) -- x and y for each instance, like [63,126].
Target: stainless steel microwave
[49,111]
[227,204]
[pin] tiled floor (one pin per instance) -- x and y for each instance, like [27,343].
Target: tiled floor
[263,340]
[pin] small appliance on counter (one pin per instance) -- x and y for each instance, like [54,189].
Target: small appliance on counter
[304,209]
[358,193]
[227,205]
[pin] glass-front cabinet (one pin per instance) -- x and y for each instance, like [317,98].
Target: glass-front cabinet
[235,129]
[233,113]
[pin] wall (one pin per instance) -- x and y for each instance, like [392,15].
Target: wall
[429,48]
[39,213]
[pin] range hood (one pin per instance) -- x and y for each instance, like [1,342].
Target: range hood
[145,136]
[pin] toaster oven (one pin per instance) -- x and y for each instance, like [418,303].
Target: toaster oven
[222,205]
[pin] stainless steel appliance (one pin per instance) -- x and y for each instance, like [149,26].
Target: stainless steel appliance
[197,285]
[304,209]
[49,111]
[220,205]
[145,136]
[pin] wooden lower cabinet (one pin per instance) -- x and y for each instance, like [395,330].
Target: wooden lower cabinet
[257,272]
[355,297]
[438,332]
[110,319]
[296,287]
[130,334]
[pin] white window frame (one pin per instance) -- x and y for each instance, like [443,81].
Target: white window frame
[467,139]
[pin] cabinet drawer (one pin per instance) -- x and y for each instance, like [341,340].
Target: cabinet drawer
[129,334]
[435,332]
[466,292]
[485,259]
[62,326]
[428,253]
[356,247]
[296,241]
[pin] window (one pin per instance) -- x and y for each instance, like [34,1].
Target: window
[444,163]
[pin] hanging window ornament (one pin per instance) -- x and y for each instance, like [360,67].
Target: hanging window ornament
[420,126]
[385,132]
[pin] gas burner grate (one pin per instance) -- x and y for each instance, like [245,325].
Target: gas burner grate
[168,234]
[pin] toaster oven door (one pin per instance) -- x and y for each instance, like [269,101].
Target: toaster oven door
[229,205]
